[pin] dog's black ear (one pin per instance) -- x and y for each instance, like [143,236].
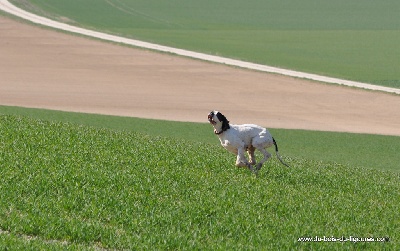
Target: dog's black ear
[221,117]
[225,122]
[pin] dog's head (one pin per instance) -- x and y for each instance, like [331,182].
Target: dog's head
[218,121]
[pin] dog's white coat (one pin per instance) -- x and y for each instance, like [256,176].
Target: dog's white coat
[244,136]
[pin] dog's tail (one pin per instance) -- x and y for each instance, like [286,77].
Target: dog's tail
[277,153]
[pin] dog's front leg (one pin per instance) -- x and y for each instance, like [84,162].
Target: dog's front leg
[241,160]
[250,152]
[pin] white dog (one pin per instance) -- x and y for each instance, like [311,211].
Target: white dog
[240,138]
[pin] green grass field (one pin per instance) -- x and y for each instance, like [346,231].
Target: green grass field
[356,40]
[358,150]
[69,186]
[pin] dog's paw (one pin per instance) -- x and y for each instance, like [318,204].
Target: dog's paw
[250,167]
[258,166]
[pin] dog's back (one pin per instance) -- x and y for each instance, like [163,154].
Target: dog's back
[250,132]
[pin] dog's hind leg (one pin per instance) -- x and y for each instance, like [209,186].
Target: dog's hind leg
[266,154]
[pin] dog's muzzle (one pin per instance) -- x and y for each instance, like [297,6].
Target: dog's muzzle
[210,119]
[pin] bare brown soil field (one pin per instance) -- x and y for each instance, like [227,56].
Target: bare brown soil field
[43,68]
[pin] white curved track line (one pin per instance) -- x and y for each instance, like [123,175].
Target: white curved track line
[8,7]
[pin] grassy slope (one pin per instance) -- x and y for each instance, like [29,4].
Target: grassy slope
[346,39]
[48,202]
[357,150]
[69,185]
